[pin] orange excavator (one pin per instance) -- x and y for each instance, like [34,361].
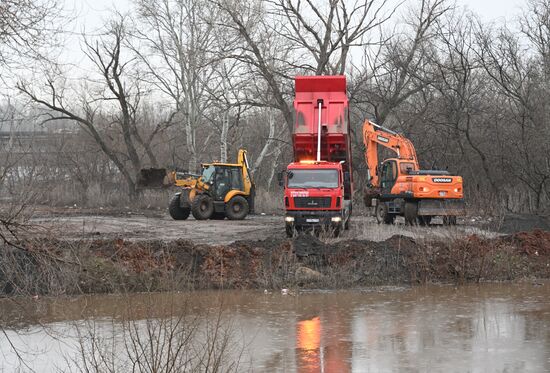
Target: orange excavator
[397,186]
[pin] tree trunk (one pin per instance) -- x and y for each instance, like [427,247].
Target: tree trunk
[274,168]
[223,138]
[267,144]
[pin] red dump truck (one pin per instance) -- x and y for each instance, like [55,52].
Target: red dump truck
[318,184]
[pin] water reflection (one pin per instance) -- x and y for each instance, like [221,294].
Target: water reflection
[488,328]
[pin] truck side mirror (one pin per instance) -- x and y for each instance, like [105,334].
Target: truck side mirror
[347,185]
[347,178]
[281,178]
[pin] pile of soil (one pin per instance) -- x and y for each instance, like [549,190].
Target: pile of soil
[46,266]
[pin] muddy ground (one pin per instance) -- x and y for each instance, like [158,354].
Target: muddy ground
[157,225]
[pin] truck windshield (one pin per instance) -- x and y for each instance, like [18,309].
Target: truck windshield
[304,178]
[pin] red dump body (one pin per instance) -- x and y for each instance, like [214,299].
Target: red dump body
[335,141]
[313,194]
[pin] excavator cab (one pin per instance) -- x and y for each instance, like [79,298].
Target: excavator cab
[388,175]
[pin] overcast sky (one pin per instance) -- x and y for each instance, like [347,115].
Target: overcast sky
[91,12]
[495,9]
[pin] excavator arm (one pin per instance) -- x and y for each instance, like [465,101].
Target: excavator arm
[375,135]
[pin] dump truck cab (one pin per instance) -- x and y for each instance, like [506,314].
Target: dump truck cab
[314,196]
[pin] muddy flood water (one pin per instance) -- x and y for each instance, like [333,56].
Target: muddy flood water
[474,328]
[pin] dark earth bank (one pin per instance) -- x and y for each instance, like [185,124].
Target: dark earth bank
[56,267]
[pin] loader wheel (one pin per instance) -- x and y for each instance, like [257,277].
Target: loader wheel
[449,220]
[176,211]
[236,208]
[202,207]
[382,215]
[411,215]
[218,216]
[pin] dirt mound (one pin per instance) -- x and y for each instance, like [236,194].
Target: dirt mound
[70,267]
[536,242]
[235,266]
[513,223]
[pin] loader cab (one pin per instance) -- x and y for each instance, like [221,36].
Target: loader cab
[222,179]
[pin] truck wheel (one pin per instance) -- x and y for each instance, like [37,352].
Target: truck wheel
[424,220]
[411,215]
[382,215]
[218,216]
[176,211]
[202,207]
[237,208]
[449,220]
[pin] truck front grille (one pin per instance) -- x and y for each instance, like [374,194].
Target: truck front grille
[312,202]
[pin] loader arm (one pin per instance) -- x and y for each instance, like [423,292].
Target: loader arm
[375,135]
[242,160]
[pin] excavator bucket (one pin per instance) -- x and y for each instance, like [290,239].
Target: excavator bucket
[154,178]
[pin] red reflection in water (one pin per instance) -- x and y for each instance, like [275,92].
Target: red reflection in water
[316,355]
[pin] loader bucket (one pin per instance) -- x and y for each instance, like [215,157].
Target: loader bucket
[154,178]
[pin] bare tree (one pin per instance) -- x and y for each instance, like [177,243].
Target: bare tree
[104,109]
[398,70]
[178,50]
[228,95]
[25,27]
[521,81]
[270,56]
[326,31]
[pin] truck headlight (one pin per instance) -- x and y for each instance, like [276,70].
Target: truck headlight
[289,219]
[336,219]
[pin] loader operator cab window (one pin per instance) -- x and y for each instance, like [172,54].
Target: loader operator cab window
[222,182]
[226,179]
[236,178]
[208,173]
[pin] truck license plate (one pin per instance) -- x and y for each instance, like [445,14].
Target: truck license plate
[312,220]
[442,194]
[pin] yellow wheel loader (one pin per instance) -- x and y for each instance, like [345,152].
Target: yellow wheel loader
[221,190]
